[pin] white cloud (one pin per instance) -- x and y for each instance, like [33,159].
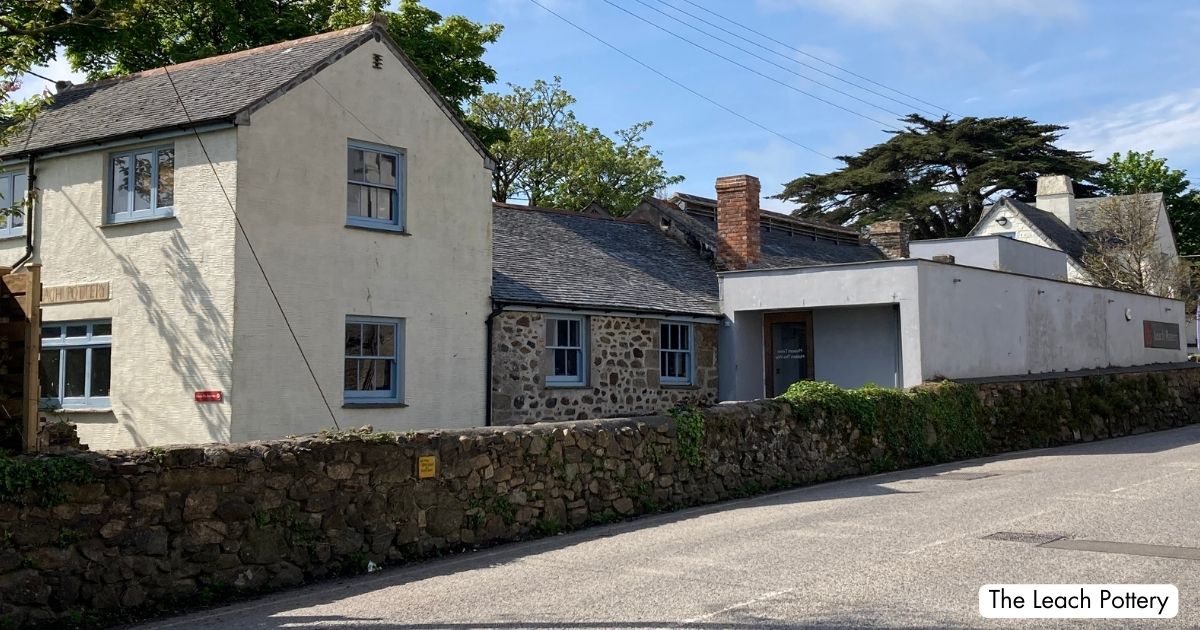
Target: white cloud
[889,14]
[57,69]
[1168,124]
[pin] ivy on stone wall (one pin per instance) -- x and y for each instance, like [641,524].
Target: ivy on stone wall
[689,433]
[931,423]
[39,480]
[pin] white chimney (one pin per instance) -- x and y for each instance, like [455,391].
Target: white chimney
[1056,195]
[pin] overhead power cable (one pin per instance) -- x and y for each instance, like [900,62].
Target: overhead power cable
[814,57]
[253,253]
[888,126]
[910,103]
[680,85]
[765,60]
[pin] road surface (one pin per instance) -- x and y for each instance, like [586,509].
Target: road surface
[897,550]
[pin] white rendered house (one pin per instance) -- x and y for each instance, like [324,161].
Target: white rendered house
[162,204]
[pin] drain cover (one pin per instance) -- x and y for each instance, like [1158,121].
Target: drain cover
[964,476]
[1030,538]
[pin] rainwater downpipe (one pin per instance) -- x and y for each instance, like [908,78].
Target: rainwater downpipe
[30,201]
[497,308]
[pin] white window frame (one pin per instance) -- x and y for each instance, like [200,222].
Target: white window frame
[90,341]
[394,395]
[399,220]
[689,353]
[128,214]
[566,380]
[12,225]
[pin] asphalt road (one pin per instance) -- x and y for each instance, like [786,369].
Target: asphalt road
[898,550]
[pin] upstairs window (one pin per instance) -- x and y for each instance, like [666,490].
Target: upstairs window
[141,184]
[76,364]
[566,342]
[375,187]
[373,366]
[675,354]
[13,187]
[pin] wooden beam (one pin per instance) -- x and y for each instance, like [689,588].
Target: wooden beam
[17,283]
[33,352]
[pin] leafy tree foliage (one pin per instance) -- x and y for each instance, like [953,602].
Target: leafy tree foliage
[1138,172]
[114,37]
[29,32]
[938,174]
[552,159]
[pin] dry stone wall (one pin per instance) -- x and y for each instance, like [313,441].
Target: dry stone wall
[151,527]
[623,378]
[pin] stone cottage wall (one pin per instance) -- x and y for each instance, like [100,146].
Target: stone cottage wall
[152,528]
[623,377]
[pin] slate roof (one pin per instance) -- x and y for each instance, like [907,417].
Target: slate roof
[216,89]
[781,248]
[1085,209]
[709,205]
[560,258]
[1064,237]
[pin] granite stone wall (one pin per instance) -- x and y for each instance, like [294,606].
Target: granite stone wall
[151,528]
[623,374]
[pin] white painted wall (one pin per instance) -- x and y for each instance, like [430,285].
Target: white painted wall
[998,253]
[858,345]
[955,321]
[292,159]
[171,291]
[977,323]
[745,296]
[1024,232]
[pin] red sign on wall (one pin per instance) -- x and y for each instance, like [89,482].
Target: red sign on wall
[209,395]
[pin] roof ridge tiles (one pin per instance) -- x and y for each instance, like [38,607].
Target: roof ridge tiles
[204,61]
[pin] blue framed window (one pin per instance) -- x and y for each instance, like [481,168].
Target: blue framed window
[566,349]
[374,366]
[13,187]
[76,363]
[141,184]
[675,354]
[375,187]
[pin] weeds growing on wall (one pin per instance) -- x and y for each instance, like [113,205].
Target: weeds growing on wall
[26,480]
[689,433]
[930,423]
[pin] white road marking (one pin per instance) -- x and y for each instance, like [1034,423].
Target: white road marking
[1142,483]
[749,602]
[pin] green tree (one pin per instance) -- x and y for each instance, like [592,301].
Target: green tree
[30,30]
[107,38]
[551,159]
[1138,172]
[153,33]
[938,174]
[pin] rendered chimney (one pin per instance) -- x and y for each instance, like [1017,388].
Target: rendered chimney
[1056,195]
[891,237]
[739,238]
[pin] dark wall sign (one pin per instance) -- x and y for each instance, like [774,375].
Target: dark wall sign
[1161,334]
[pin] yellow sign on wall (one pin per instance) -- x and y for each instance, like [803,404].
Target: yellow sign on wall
[426,466]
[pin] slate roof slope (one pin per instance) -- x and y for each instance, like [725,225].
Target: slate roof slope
[709,205]
[1064,237]
[1085,209]
[780,248]
[560,258]
[216,89]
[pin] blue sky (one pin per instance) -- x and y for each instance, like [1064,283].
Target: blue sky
[1121,74]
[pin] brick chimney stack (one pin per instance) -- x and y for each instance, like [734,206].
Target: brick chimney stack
[739,241]
[891,237]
